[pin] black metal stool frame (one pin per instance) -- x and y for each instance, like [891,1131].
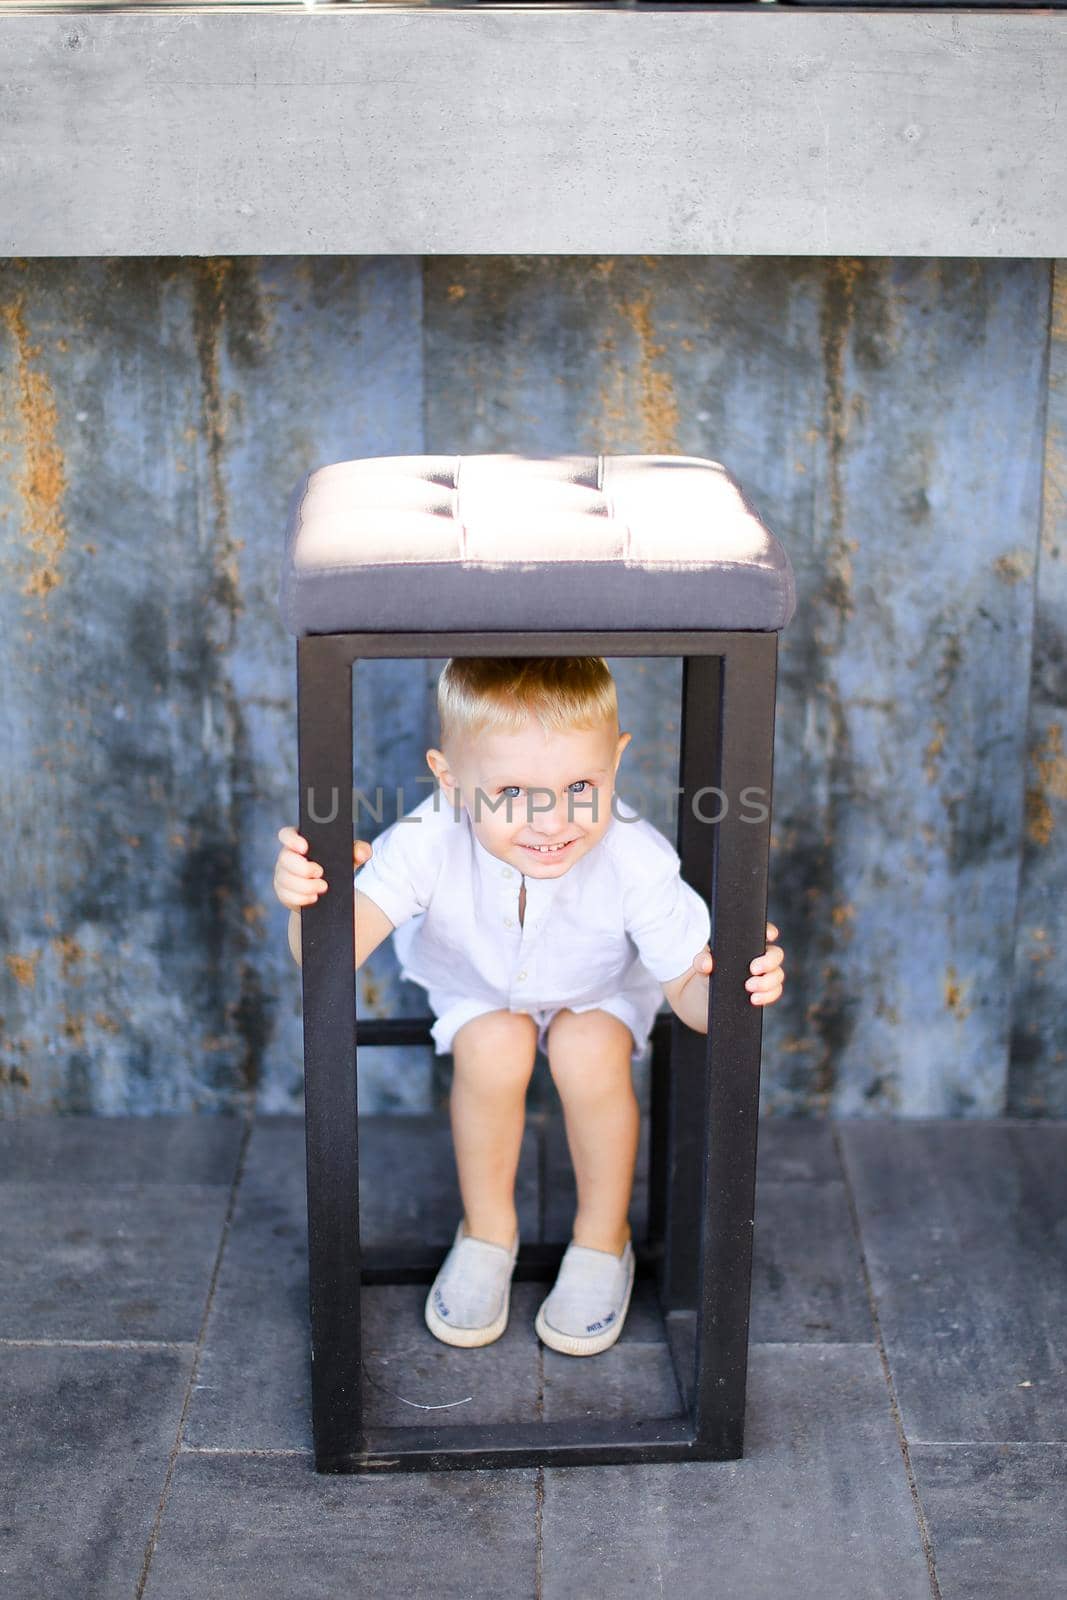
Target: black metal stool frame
[704,1088]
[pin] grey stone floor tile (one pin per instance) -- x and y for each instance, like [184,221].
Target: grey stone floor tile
[818,1509]
[254,1378]
[500,1382]
[796,1150]
[963,1226]
[263,1528]
[85,1437]
[628,1380]
[253,1387]
[996,1517]
[807,1273]
[109,1150]
[108,1261]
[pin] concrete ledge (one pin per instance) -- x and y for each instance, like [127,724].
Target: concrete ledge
[558,130]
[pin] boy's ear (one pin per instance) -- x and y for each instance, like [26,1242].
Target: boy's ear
[624,740]
[437,762]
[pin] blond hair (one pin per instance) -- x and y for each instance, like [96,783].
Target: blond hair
[497,694]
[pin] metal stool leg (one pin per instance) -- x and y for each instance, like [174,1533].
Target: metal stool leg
[658,1134]
[699,765]
[728,711]
[324,697]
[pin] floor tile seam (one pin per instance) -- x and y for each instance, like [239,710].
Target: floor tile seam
[947,1121]
[887,1374]
[539,1490]
[539,1535]
[813,1344]
[120,1188]
[796,1183]
[182,1346]
[992,1444]
[194,1372]
[245,1450]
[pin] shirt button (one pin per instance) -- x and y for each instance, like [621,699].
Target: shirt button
[509,922]
[521,975]
[505,872]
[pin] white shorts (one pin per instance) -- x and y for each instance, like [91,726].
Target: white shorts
[637,1007]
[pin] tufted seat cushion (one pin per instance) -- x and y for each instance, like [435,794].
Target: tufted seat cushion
[496,542]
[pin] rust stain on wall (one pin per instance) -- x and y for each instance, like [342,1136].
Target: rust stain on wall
[209,313]
[1054,481]
[828,1021]
[949,661]
[1039,823]
[836,322]
[954,993]
[614,410]
[1014,566]
[24,969]
[656,402]
[931,752]
[654,405]
[1059,306]
[73,1030]
[42,483]
[70,953]
[1051,765]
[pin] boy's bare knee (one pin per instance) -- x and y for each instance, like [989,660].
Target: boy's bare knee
[493,1027]
[508,1037]
[592,1047]
[585,1027]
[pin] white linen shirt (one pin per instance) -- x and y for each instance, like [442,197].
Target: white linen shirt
[620,919]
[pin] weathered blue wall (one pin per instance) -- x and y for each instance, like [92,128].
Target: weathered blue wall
[892,419]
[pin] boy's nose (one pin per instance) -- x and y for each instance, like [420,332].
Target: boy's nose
[548,819]
[551,825]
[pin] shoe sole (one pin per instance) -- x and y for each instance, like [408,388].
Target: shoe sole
[570,1345]
[468,1338]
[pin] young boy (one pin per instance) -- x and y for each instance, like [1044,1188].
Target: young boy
[537,909]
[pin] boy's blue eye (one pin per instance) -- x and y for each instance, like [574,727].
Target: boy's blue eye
[577,784]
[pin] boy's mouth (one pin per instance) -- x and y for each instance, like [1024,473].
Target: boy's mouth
[548,852]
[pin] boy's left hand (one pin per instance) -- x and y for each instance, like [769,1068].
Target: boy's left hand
[768,978]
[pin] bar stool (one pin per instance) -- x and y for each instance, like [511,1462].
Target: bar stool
[520,555]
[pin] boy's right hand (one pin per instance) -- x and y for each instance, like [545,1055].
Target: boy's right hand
[299,882]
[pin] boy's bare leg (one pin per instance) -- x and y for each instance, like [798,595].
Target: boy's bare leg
[493,1057]
[589,1055]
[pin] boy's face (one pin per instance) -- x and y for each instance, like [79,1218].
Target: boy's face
[536,800]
